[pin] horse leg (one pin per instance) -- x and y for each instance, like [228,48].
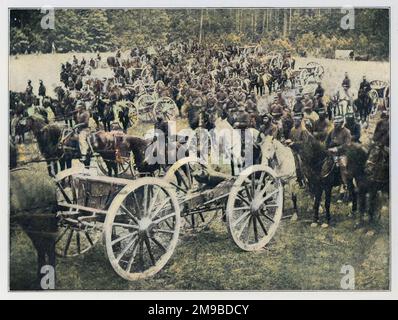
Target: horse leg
[55,166]
[41,261]
[317,202]
[372,204]
[62,163]
[295,209]
[354,197]
[49,168]
[328,196]
[362,203]
[109,167]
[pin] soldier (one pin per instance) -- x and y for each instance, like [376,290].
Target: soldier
[298,106]
[354,127]
[381,134]
[335,142]
[298,134]
[309,113]
[322,126]
[280,100]
[346,84]
[42,89]
[319,91]
[29,88]
[242,118]
[82,125]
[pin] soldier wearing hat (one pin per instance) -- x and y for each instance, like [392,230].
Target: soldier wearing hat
[335,142]
[298,134]
[309,113]
[319,91]
[29,88]
[298,106]
[242,117]
[354,127]
[82,125]
[42,89]
[346,83]
[322,126]
[381,134]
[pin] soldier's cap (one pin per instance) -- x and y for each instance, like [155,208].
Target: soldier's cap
[275,114]
[349,115]
[299,97]
[338,119]
[321,111]
[29,81]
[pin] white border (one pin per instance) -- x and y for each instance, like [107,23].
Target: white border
[186,295]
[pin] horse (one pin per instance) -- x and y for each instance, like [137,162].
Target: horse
[112,145]
[48,138]
[322,173]
[374,178]
[33,205]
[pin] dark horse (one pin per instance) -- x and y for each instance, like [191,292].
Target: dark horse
[322,173]
[375,177]
[33,206]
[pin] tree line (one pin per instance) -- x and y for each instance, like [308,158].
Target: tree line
[314,31]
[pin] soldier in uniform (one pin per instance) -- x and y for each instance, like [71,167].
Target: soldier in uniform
[319,91]
[29,88]
[381,134]
[42,89]
[298,106]
[322,126]
[242,118]
[82,125]
[335,142]
[354,127]
[298,134]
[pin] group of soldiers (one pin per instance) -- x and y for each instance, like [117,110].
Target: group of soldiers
[209,78]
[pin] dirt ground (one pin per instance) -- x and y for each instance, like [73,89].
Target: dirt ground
[298,258]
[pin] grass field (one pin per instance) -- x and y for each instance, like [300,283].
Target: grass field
[298,258]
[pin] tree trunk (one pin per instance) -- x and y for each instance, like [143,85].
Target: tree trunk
[285,21]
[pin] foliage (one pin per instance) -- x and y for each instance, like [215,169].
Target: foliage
[315,31]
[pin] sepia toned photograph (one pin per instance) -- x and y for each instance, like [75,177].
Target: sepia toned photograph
[185,149]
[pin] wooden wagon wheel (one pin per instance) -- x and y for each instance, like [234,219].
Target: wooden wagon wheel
[378,84]
[318,69]
[145,105]
[373,95]
[74,236]
[166,107]
[181,176]
[303,77]
[254,207]
[141,228]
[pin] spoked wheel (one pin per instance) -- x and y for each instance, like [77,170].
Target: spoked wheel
[254,207]
[77,232]
[181,176]
[374,96]
[145,104]
[166,107]
[141,228]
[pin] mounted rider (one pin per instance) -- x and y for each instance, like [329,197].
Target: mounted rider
[354,127]
[335,142]
[322,126]
[82,125]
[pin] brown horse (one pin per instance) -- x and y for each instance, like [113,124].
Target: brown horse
[322,173]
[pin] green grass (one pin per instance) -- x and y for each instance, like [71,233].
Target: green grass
[298,258]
